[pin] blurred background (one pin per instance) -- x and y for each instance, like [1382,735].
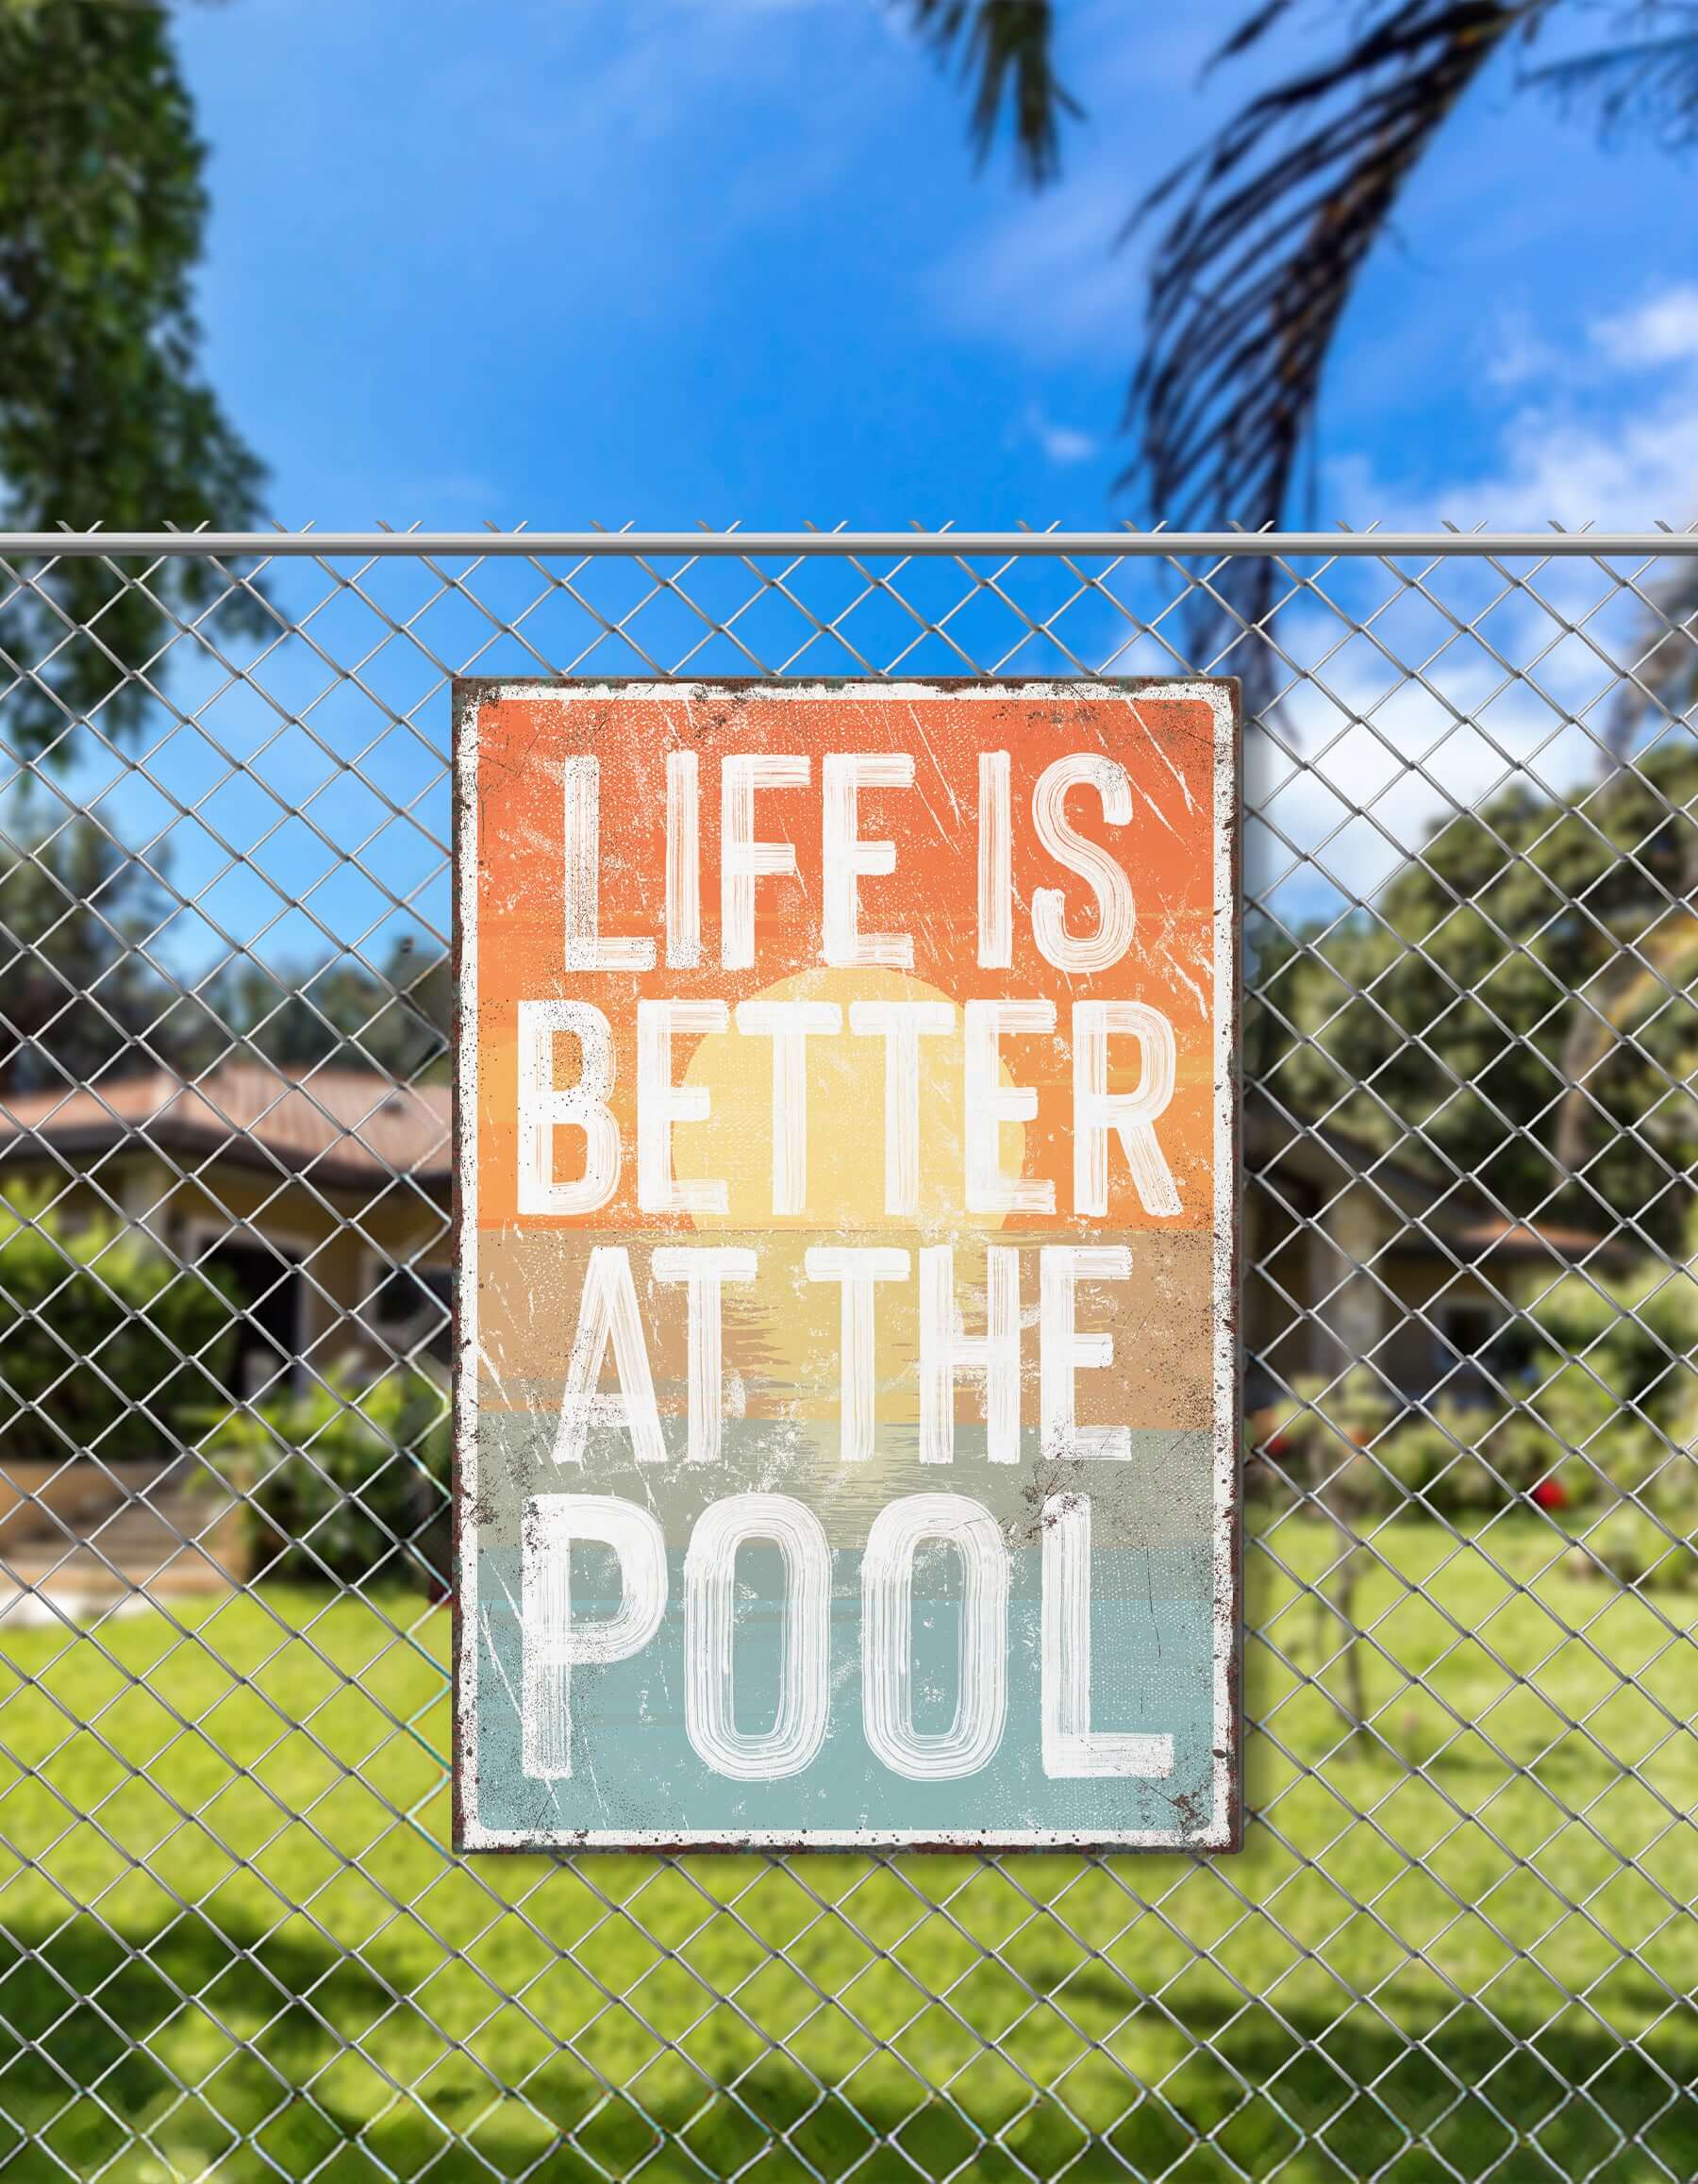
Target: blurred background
[861,263]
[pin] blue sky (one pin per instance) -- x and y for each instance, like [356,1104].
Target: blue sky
[663,260]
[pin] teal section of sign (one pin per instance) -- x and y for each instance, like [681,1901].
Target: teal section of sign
[634,1770]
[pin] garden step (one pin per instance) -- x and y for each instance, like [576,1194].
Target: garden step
[172,1530]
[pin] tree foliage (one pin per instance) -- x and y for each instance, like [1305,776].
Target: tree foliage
[346,1482]
[1447,1021]
[110,1349]
[78,993]
[391,1017]
[1004,48]
[1273,218]
[105,419]
[85,991]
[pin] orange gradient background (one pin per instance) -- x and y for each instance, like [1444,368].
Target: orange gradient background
[1167,747]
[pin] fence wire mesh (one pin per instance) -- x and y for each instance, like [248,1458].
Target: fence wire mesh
[233,1942]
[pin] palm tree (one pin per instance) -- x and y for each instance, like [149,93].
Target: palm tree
[1005,50]
[1270,221]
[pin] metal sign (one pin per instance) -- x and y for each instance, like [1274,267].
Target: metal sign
[846,1375]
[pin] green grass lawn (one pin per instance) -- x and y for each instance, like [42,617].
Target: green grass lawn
[220,1943]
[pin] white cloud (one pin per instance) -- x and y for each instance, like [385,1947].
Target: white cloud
[1048,279]
[1646,338]
[1407,706]
[1518,353]
[1634,468]
[1362,770]
[1581,448]
[1662,331]
[1045,278]
[1061,443]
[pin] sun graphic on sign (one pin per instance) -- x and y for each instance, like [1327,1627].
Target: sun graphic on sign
[847,1126]
[791,1323]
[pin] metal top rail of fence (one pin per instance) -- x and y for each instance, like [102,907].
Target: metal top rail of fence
[1296,546]
[234,1940]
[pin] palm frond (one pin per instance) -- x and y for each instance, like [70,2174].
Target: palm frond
[1253,30]
[1006,51]
[1276,215]
[1646,86]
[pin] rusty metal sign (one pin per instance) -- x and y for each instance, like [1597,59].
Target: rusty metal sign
[846,1361]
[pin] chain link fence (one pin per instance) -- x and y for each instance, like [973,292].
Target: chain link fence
[233,1940]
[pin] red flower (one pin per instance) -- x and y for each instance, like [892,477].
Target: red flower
[1550,1493]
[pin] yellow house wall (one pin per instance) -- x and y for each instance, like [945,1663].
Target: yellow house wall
[344,1238]
[1351,1291]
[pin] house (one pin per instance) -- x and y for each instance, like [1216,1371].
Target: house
[322,1196]
[319,1200]
[1351,1254]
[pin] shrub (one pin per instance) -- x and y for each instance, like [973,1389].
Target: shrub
[345,1483]
[1322,1422]
[1634,1550]
[1616,1383]
[1627,1330]
[1608,1417]
[1521,1451]
[106,1346]
[1330,1439]
[1626,1452]
[1438,1457]
[1457,1459]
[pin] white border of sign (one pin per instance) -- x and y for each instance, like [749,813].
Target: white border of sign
[1222,1828]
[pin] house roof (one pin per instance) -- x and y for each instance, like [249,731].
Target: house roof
[1535,1240]
[1449,1216]
[343,1126]
[1326,1154]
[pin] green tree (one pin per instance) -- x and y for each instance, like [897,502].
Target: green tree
[82,997]
[104,420]
[393,1018]
[1578,1043]
[78,994]
[1637,1003]
[1472,1018]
